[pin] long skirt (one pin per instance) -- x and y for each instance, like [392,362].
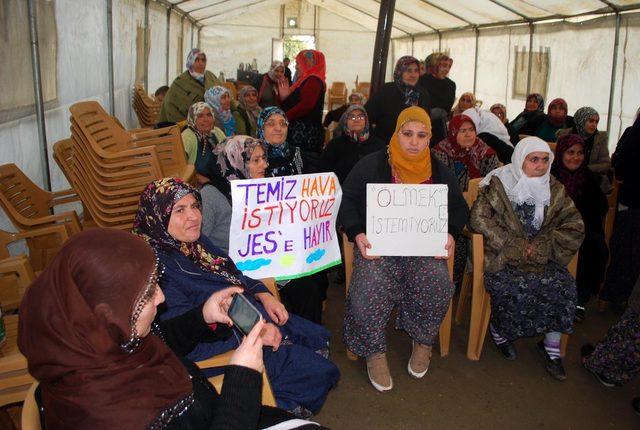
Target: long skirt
[525,304]
[617,356]
[624,268]
[418,286]
[300,372]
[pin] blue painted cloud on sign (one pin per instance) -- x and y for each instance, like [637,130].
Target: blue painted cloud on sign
[315,255]
[249,265]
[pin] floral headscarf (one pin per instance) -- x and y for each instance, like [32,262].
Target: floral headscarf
[581,117]
[310,63]
[355,136]
[471,157]
[557,121]
[194,111]
[272,70]
[191,58]
[252,112]
[237,153]
[411,93]
[572,180]
[152,224]
[212,96]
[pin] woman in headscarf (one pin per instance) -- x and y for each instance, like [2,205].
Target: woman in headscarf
[492,131]
[533,108]
[283,159]
[441,90]
[500,110]
[336,114]
[188,88]
[583,186]
[596,148]
[87,329]
[546,127]
[355,142]
[219,99]
[169,218]
[385,105]
[200,140]
[531,231]
[303,103]
[268,85]
[248,112]
[418,286]
[466,101]
[241,157]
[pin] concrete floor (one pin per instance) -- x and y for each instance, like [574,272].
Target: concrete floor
[492,393]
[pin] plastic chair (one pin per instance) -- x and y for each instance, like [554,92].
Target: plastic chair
[146,108]
[337,94]
[445,326]
[232,89]
[480,299]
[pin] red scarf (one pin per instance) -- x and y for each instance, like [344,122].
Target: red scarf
[310,63]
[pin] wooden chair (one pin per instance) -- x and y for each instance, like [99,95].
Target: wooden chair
[445,327]
[30,207]
[552,145]
[233,91]
[221,360]
[480,299]
[14,377]
[337,94]
[30,418]
[364,88]
[147,109]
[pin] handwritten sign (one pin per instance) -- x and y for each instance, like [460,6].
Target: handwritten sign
[285,227]
[407,220]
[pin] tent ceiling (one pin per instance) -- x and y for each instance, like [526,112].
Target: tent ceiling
[415,16]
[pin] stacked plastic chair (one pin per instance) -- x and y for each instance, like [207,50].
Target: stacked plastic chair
[146,108]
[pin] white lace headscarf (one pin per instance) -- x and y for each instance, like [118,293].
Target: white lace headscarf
[521,188]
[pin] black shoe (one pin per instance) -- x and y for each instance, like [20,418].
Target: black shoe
[508,350]
[553,365]
[635,404]
[586,350]
[580,314]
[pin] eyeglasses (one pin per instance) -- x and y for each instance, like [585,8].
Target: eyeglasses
[356,117]
[273,123]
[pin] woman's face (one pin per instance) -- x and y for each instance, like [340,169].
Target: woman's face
[413,137]
[466,102]
[356,121]
[200,64]
[536,164]
[186,219]
[257,163]
[466,136]
[279,73]
[573,157]
[148,314]
[557,111]
[500,114]
[204,121]
[251,99]
[411,75]
[592,124]
[531,105]
[225,102]
[275,129]
[443,69]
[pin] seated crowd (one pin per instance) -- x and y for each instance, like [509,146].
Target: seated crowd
[97,336]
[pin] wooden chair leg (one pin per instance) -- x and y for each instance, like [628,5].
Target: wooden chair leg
[480,303]
[564,342]
[445,332]
[465,287]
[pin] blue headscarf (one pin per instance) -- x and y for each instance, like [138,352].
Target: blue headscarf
[212,96]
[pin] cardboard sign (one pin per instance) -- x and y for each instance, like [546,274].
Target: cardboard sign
[407,220]
[285,227]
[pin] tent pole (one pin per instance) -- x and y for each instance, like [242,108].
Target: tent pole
[439,41]
[146,45]
[199,33]
[167,47]
[381,49]
[37,90]
[614,68]
[530,65]
[192,35]
[112,97]
[413,39]
[475,61]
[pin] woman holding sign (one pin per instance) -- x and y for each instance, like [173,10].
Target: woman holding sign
[169,219]
[418,286]
[284,159]
[531,230]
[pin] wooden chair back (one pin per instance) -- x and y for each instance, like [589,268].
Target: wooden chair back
[147,109]
[20,198]
[15,380]
[364,88]
[337,94]
[553,146]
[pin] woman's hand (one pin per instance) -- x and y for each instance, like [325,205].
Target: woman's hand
[274,308]
[283,88]
[249,353]
[271,336]
[363,245]
[449,247]
[215,309]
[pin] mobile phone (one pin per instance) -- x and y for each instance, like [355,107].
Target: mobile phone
[243,314]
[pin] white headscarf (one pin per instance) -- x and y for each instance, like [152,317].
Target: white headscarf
[519,187]
[488,122]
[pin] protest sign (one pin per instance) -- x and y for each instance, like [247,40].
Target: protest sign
[407,220]
[285,227]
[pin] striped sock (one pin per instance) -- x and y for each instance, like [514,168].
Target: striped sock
[496,336]
[552,344]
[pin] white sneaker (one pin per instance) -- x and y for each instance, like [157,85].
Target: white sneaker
[378,372]
[420,358]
